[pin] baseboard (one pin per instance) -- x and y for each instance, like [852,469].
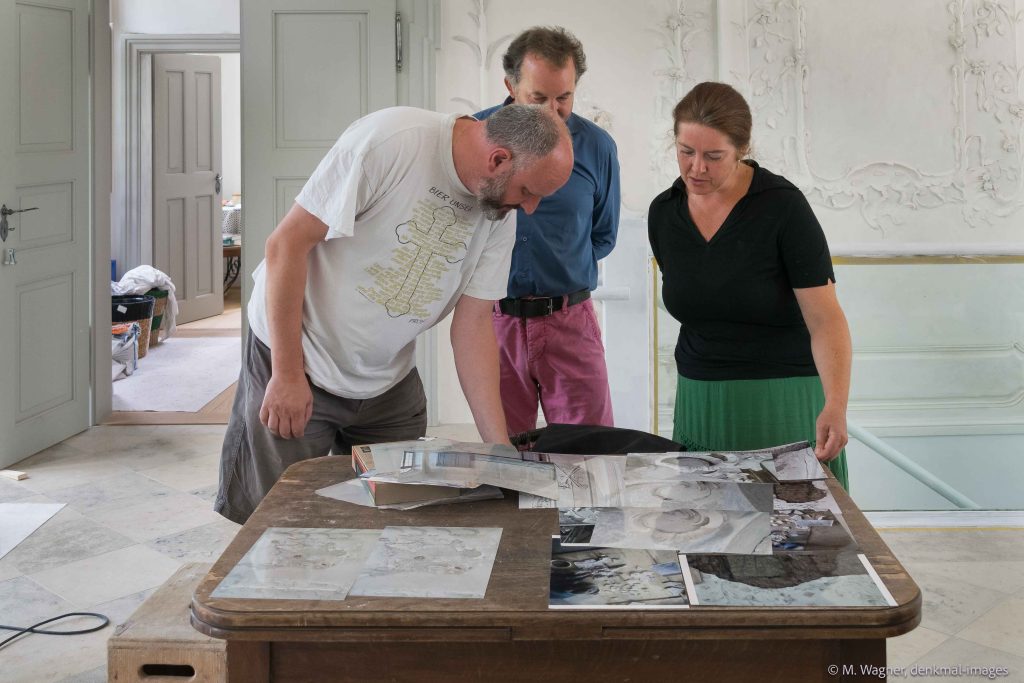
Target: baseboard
[946,519]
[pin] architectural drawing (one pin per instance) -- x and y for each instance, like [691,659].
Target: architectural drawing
[300,564]
[430,562]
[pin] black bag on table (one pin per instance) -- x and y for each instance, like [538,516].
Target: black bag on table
[593,440]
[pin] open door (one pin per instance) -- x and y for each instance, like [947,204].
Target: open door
[186,181]
[44,194]
[309,69]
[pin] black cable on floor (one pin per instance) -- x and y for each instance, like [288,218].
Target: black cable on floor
[34,627]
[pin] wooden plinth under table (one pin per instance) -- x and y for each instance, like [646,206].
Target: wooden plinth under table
[511,634]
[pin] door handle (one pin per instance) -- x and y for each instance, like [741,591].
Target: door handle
[9,259]
[5,228]
[216,183]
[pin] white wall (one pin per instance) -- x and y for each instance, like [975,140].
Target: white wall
[231,124]
[902,122]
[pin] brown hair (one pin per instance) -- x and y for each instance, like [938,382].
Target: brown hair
[718,106]
[554,45]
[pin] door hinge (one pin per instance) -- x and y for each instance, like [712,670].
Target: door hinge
[398,42]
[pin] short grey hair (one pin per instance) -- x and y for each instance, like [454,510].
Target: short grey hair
[529,131]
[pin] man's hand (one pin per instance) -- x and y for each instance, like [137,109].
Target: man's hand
[287,407]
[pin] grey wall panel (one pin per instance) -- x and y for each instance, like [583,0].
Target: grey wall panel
[175,118]
[204,245]
[53,222]
[46,83]
[319,57]
[204,121]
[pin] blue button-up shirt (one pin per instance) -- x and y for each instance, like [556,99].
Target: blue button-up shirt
[558,246]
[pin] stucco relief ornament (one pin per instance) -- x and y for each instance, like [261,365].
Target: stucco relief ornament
[587,109]
[483,50]
[676,31]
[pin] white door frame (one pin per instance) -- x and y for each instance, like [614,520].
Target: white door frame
[102,154]
[138,50]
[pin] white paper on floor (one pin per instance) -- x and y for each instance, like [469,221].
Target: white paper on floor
[19,520]
[181,374]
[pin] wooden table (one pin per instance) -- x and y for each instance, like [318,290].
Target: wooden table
[511,635]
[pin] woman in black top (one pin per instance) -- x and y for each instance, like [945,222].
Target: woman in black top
[764,349]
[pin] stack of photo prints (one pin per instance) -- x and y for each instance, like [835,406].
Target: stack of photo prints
[671,530]
[641,531]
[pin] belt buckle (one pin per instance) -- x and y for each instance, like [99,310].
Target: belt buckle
[551,306]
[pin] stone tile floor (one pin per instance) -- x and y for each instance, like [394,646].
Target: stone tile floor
[139,505]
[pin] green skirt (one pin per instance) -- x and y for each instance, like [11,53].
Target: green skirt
[749,414]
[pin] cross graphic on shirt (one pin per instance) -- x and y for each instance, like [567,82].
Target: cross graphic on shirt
[431,242]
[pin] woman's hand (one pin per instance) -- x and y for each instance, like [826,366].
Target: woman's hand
[830,433]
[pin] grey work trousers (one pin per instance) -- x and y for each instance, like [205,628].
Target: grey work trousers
[253,458]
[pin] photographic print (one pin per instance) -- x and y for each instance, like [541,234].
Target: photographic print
[785,580]
[469,470]
[796,465]
[300,564]
[429,562]
[807,529]
[700,495]
[615,578]
[354,491]
[684,530]
[805,494]
[583,481]
[576,525]
[741,467]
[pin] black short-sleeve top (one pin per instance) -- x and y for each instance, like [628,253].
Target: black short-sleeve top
[733,295]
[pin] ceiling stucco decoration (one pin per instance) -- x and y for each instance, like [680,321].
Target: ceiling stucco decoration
[986,84]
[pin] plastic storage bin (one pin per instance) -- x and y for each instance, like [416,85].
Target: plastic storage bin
[135,308]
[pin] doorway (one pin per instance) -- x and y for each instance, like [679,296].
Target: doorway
[184,196]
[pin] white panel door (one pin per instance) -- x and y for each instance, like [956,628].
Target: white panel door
[309,69]
[44,177]
[186,181]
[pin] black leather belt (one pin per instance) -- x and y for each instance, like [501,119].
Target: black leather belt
[535,308]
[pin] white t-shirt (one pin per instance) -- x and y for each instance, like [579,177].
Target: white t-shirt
[414,241]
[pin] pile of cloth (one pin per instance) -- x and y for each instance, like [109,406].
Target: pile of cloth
[124,353]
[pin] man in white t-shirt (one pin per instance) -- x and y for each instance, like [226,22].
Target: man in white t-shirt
[426,205]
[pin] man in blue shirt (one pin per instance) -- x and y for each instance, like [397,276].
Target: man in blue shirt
[549,340]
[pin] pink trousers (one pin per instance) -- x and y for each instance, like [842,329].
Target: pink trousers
[557,362]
